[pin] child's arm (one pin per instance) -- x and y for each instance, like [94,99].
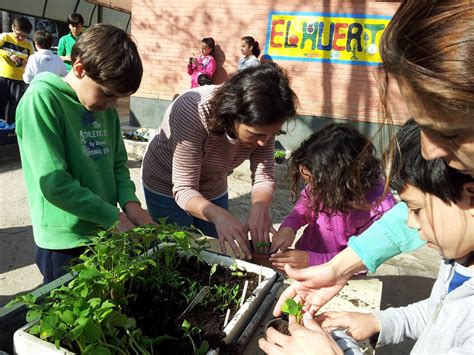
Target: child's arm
[359,325]
[29,73]
[125,186]
[387,237]
[297,218]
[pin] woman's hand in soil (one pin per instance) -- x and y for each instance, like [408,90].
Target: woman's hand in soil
[283,239]
[297,259]
[137,215]
[230,230]
[360,326]
[307,339]
[259,224]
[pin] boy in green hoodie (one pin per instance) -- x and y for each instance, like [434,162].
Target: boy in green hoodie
[72,152]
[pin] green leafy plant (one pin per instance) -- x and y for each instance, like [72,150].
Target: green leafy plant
[293,308]
[262,245]
[93,314]
[281,154]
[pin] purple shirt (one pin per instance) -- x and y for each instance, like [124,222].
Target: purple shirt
[324,235]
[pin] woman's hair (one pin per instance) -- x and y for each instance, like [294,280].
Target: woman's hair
[252,43]
[209,41]
[433,177]
[120,69]
[343,168]
[429,46]
[257,96]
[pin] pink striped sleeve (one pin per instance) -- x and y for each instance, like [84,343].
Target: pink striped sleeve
[187,135]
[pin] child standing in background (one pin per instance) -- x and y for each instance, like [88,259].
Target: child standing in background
[44,59]
[204,64]
[14,52]
[250,49]
[76,26]
[337,202]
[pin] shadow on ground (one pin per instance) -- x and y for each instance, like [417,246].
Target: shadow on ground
[17,247]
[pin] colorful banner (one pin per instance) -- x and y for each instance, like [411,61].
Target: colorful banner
[325,37]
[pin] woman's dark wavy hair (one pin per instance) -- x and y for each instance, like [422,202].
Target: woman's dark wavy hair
[110,57]
[429,45]
[343,168]
[433,177]
[257,96]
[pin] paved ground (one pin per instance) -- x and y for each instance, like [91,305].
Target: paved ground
[406,278]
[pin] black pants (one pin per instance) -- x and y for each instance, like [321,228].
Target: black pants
[53,263]
[11,92]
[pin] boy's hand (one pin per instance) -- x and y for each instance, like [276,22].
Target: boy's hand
[307,339]
[298,259]
[283,239]
[360,326]
[16,59]
[136,214]
[124,224]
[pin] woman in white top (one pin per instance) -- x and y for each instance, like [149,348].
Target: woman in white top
[250,49]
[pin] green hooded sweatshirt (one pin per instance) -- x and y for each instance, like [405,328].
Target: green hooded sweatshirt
[74,164]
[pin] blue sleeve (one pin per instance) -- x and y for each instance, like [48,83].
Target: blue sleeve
[387,237]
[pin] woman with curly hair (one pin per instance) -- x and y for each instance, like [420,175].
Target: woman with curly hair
[343,196]
[207,132]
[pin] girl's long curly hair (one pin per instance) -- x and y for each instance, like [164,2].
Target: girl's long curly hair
[343,167]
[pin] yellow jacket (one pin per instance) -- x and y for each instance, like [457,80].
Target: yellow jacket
[10,45]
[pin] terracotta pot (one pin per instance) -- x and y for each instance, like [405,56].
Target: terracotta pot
[279,324]
[261,259]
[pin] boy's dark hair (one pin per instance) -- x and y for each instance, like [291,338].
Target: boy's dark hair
[120,68]
[43,38]
[253,43]
[209,41]
[21,23]
[343,168]
[204,79]
[258,96]
[433,177]
[75,19]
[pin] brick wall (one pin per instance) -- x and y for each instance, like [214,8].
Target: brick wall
[169,32]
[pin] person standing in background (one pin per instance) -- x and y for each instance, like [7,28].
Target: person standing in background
[76,25]
[204,64]
[250,49]
[44,59]
[14,52]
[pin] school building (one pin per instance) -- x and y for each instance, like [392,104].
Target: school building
[329,48]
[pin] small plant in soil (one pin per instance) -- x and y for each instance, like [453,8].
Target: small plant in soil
[126,300]
[280,156]
[293,308]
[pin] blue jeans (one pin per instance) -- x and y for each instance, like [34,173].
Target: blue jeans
[163,206]
[53,263]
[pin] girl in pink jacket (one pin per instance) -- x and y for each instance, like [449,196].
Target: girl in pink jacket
[204,64]
[337,202]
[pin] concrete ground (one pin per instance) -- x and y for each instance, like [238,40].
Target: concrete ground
[406,278]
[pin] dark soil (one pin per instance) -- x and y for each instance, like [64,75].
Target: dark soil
[280,325]
[156,311]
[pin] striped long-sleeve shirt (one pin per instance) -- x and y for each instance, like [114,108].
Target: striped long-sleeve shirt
[185,160]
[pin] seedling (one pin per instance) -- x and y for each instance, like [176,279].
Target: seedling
[293,308]
[262,245]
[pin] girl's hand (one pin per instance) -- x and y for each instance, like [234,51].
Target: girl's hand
[259,224]
[283,239]
[307,339]
[230,230]
[360,326]
[297,259]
